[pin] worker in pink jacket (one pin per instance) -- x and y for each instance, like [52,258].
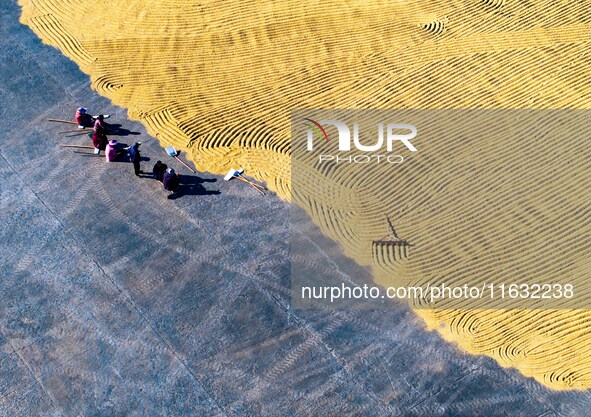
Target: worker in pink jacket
[113,150]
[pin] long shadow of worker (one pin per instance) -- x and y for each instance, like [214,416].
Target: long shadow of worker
[117,130]
[192,185]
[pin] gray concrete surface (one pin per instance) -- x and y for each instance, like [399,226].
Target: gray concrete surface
[116,301]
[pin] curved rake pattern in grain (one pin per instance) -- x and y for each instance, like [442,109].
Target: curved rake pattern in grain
[497,4]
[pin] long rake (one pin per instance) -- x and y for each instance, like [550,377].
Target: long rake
[62,121]
[173,152]
[233,173]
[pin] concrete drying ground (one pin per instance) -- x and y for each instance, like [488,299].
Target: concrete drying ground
[116,301]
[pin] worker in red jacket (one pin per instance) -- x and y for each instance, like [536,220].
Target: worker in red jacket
[99,133]
[84,119]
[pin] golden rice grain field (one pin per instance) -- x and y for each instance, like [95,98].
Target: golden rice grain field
[218,79]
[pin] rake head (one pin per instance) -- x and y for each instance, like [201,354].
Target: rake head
[171,151]
[233,173]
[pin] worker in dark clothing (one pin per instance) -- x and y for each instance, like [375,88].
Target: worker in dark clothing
[171,180]
[159,170]
[135,157]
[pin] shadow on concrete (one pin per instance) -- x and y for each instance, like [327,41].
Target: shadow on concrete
[117,130]
[192,185]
